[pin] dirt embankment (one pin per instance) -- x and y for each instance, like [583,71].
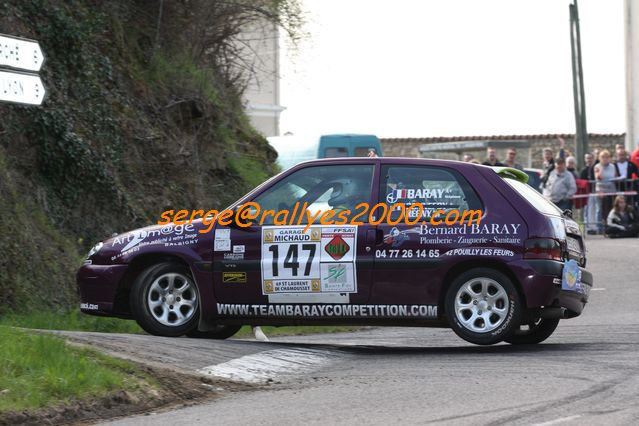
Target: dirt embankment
[142,115]
[172,389]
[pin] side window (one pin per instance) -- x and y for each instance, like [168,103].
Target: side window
[335,152]
[434,188]
[322,188]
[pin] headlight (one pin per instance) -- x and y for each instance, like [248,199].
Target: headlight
[96,248]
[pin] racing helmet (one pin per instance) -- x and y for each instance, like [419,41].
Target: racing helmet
[344,191]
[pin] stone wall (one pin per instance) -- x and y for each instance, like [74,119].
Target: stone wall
[529,157]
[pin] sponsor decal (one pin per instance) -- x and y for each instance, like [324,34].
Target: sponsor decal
[233,256]
[328,310]
[89,306]
[412,194]
[317,260]
[222,245]
[507,233]
[170,235]
[483,251]
[223,234]
[395,237]
[407,253]
[222,240]
[337,247]
[571,277]
[234,277]
[239,249]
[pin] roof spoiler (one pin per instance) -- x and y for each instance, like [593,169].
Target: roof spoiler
[509,172]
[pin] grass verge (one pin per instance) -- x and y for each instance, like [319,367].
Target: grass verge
[70,320]
[38,370]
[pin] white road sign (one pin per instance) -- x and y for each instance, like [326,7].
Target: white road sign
[20,53]
[21,88]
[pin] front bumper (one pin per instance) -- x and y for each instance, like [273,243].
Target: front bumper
[542,286]
[97,286]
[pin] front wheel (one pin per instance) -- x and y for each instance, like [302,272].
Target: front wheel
[536,332]
[164,300]
[483,306]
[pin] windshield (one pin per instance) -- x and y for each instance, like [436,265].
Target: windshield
[533,197]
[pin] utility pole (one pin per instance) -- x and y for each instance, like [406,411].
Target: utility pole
[581,131]
[631,15]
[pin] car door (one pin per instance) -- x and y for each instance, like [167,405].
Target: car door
[285,258]
[409,262]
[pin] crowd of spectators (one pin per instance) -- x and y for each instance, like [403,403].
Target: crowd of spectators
[605,189]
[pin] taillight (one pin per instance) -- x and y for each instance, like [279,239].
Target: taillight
[543,248]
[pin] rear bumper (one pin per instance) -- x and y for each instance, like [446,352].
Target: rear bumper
[542,286]
[97,286]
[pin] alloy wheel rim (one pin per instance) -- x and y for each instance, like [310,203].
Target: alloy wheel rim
[172,299]
[481,305]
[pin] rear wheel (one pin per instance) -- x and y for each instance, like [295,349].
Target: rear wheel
[533,333]
[220,332]
[164,300]
[483,306]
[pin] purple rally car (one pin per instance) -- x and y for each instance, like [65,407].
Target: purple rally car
[511,277]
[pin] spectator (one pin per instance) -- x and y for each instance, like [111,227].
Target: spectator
[625,170]
[605,174]
[571,166]
[474,161]
[588,173]
[635,157]
[549,166]
[511,155]
[590,210]
[549,162]
[560,186]
[491,158]
[622,220]
[372,153]
[468,157]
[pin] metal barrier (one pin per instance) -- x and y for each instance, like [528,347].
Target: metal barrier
[594,199]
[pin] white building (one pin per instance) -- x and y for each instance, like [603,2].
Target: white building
[262,95]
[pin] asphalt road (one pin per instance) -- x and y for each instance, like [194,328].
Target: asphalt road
[586,373]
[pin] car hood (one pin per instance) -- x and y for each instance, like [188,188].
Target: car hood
[164,238]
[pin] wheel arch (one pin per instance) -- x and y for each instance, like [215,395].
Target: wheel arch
[464,266]
[136,266]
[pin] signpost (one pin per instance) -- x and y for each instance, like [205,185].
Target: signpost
[20,87]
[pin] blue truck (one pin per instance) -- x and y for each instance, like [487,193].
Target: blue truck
[292,149]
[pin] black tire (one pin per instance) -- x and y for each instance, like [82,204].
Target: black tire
[482,289]
[148,284]
[220,332]
[537,332]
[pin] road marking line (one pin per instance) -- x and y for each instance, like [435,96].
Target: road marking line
[597,289]
[559,420]
[269,365]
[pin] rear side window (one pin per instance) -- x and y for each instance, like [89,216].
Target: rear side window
[533,197]
[335,152]
[435,188]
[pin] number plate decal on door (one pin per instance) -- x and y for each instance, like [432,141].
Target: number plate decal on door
[318,261]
